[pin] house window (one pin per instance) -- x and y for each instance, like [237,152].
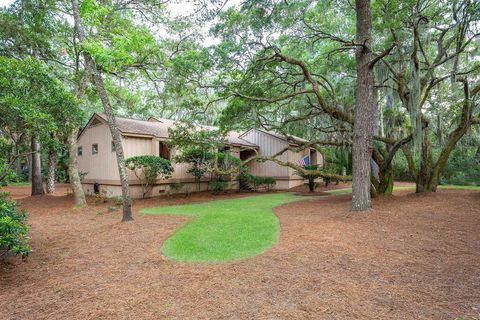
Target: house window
[113,146]
[79,151]
[94,148]
[163,150]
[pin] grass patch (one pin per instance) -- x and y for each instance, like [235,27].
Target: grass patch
[460,187]
[224,230]
[349,190]
[20,183]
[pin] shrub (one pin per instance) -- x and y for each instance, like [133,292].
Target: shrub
[463,167]
[227,162]
[13,230]
[400,168]
[175,187]
[248,182]
[148,169]
[312,185]
[338,160]
[218,185]
[199,159]
[101,196]
[244,181]
[6,173]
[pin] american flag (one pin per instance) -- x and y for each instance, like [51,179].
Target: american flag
[305,161]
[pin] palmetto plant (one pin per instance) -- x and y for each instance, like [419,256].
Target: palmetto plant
[338,160]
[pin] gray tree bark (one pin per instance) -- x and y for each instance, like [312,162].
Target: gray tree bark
[74,176]
[99,85]
[364,111]
[37,184]
[52,165]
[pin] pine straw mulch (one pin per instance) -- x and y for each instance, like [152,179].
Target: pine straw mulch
[412,257]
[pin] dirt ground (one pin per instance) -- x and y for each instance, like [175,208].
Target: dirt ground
[412,257]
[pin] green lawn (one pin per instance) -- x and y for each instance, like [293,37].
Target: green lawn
[19,184]
[349,190]
[460,187]
[224,230]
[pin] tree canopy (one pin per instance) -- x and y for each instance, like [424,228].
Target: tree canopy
[287,66]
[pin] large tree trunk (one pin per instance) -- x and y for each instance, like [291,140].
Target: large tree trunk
[37,184]
[424,174]
[364,111]
[117,141]
[52,165]
[73,175]
[386,175]
[429,175]
[386,180]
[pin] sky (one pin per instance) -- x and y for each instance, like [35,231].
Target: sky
[4,3]
[177,8]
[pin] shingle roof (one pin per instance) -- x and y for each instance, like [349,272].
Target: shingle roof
[158,127]
[233,137]
[142,127]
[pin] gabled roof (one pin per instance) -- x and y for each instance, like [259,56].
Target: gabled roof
[158,128]
[233,138]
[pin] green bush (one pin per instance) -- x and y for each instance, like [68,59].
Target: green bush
[338,160]
[244,181]
[6,174]
[148,169]
[400,168]
[175,187]
[462,167]
[218,185]
[312,185]
[249,181]
[13,230]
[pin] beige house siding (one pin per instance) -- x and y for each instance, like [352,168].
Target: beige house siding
[269,146]
[296,156]
[160,189]
[100,166]
[134,146]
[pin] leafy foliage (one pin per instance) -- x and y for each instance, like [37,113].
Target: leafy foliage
[6,173]
[250,181]
[311,176]
[463,167]
[30,94]
[218,185]
[338,160]
[202,149]
[198,158]
[148,169]
[13,230]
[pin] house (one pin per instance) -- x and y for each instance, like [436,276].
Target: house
[98,166]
